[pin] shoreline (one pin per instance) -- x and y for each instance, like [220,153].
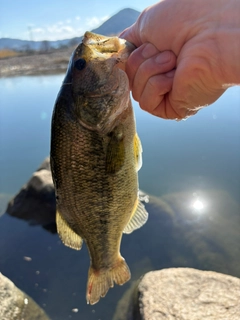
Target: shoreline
[36,64]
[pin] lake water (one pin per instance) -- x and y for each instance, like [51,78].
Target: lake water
[195,161]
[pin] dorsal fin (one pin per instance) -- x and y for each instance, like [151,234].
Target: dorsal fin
[66,234]
[138,218]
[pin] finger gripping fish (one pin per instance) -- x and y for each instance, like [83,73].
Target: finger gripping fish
[95,156]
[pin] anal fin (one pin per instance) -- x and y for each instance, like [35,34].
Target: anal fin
[66,234]
[138,218]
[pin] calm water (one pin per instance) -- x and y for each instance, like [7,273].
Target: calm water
[195,161]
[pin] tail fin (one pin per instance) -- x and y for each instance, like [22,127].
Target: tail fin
[99,281]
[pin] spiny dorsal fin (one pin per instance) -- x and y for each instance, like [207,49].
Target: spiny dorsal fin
[138,152]
[66,234]
[138,219]
[115,153]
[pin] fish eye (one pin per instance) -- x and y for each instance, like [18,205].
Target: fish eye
[80,64]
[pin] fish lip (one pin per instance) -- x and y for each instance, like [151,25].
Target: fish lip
[115,47]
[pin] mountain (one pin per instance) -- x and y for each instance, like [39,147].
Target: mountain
[118,22]
[112,26]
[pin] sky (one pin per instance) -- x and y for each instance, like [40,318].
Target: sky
[58,19]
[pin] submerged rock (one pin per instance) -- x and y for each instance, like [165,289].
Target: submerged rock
[17,305]
[4,199]
[35,202]
[183,293]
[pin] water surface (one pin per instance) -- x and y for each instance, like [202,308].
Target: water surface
[192,166]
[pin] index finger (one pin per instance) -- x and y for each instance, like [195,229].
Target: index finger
[137,57]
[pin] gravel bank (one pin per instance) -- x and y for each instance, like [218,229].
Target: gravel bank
[44,63]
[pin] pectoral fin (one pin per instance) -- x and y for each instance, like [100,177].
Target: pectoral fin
[115,154]
[138,152]
[66,234]
[138,219]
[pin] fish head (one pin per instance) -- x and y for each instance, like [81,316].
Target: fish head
[100,86]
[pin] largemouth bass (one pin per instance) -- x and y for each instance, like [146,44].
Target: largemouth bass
[95,156]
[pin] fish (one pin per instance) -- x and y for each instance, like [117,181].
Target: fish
[95,157]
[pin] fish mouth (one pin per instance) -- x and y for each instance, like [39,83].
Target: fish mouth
[104,47]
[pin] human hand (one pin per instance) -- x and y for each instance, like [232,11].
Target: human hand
[201,40]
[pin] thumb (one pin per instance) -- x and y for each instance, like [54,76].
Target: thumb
[130,34]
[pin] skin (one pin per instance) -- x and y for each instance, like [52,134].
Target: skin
[187,55]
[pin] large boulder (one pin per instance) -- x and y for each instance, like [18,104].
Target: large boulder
[17,305]
[182,293]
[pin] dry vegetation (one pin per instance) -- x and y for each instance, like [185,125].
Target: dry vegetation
[6,53]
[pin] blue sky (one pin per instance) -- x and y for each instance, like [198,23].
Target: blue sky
[58,19]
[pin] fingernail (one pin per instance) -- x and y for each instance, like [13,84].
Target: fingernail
[149,51]
[163,57]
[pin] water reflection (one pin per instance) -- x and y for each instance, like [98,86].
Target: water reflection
[198,205]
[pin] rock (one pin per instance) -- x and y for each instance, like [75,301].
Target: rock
[17,305]
[45,165]
[125,307]
[35,202]
[4,199]
[126,302]
[187,294]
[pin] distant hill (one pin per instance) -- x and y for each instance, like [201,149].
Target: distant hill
[113,26]
[118,22]
[22,45]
